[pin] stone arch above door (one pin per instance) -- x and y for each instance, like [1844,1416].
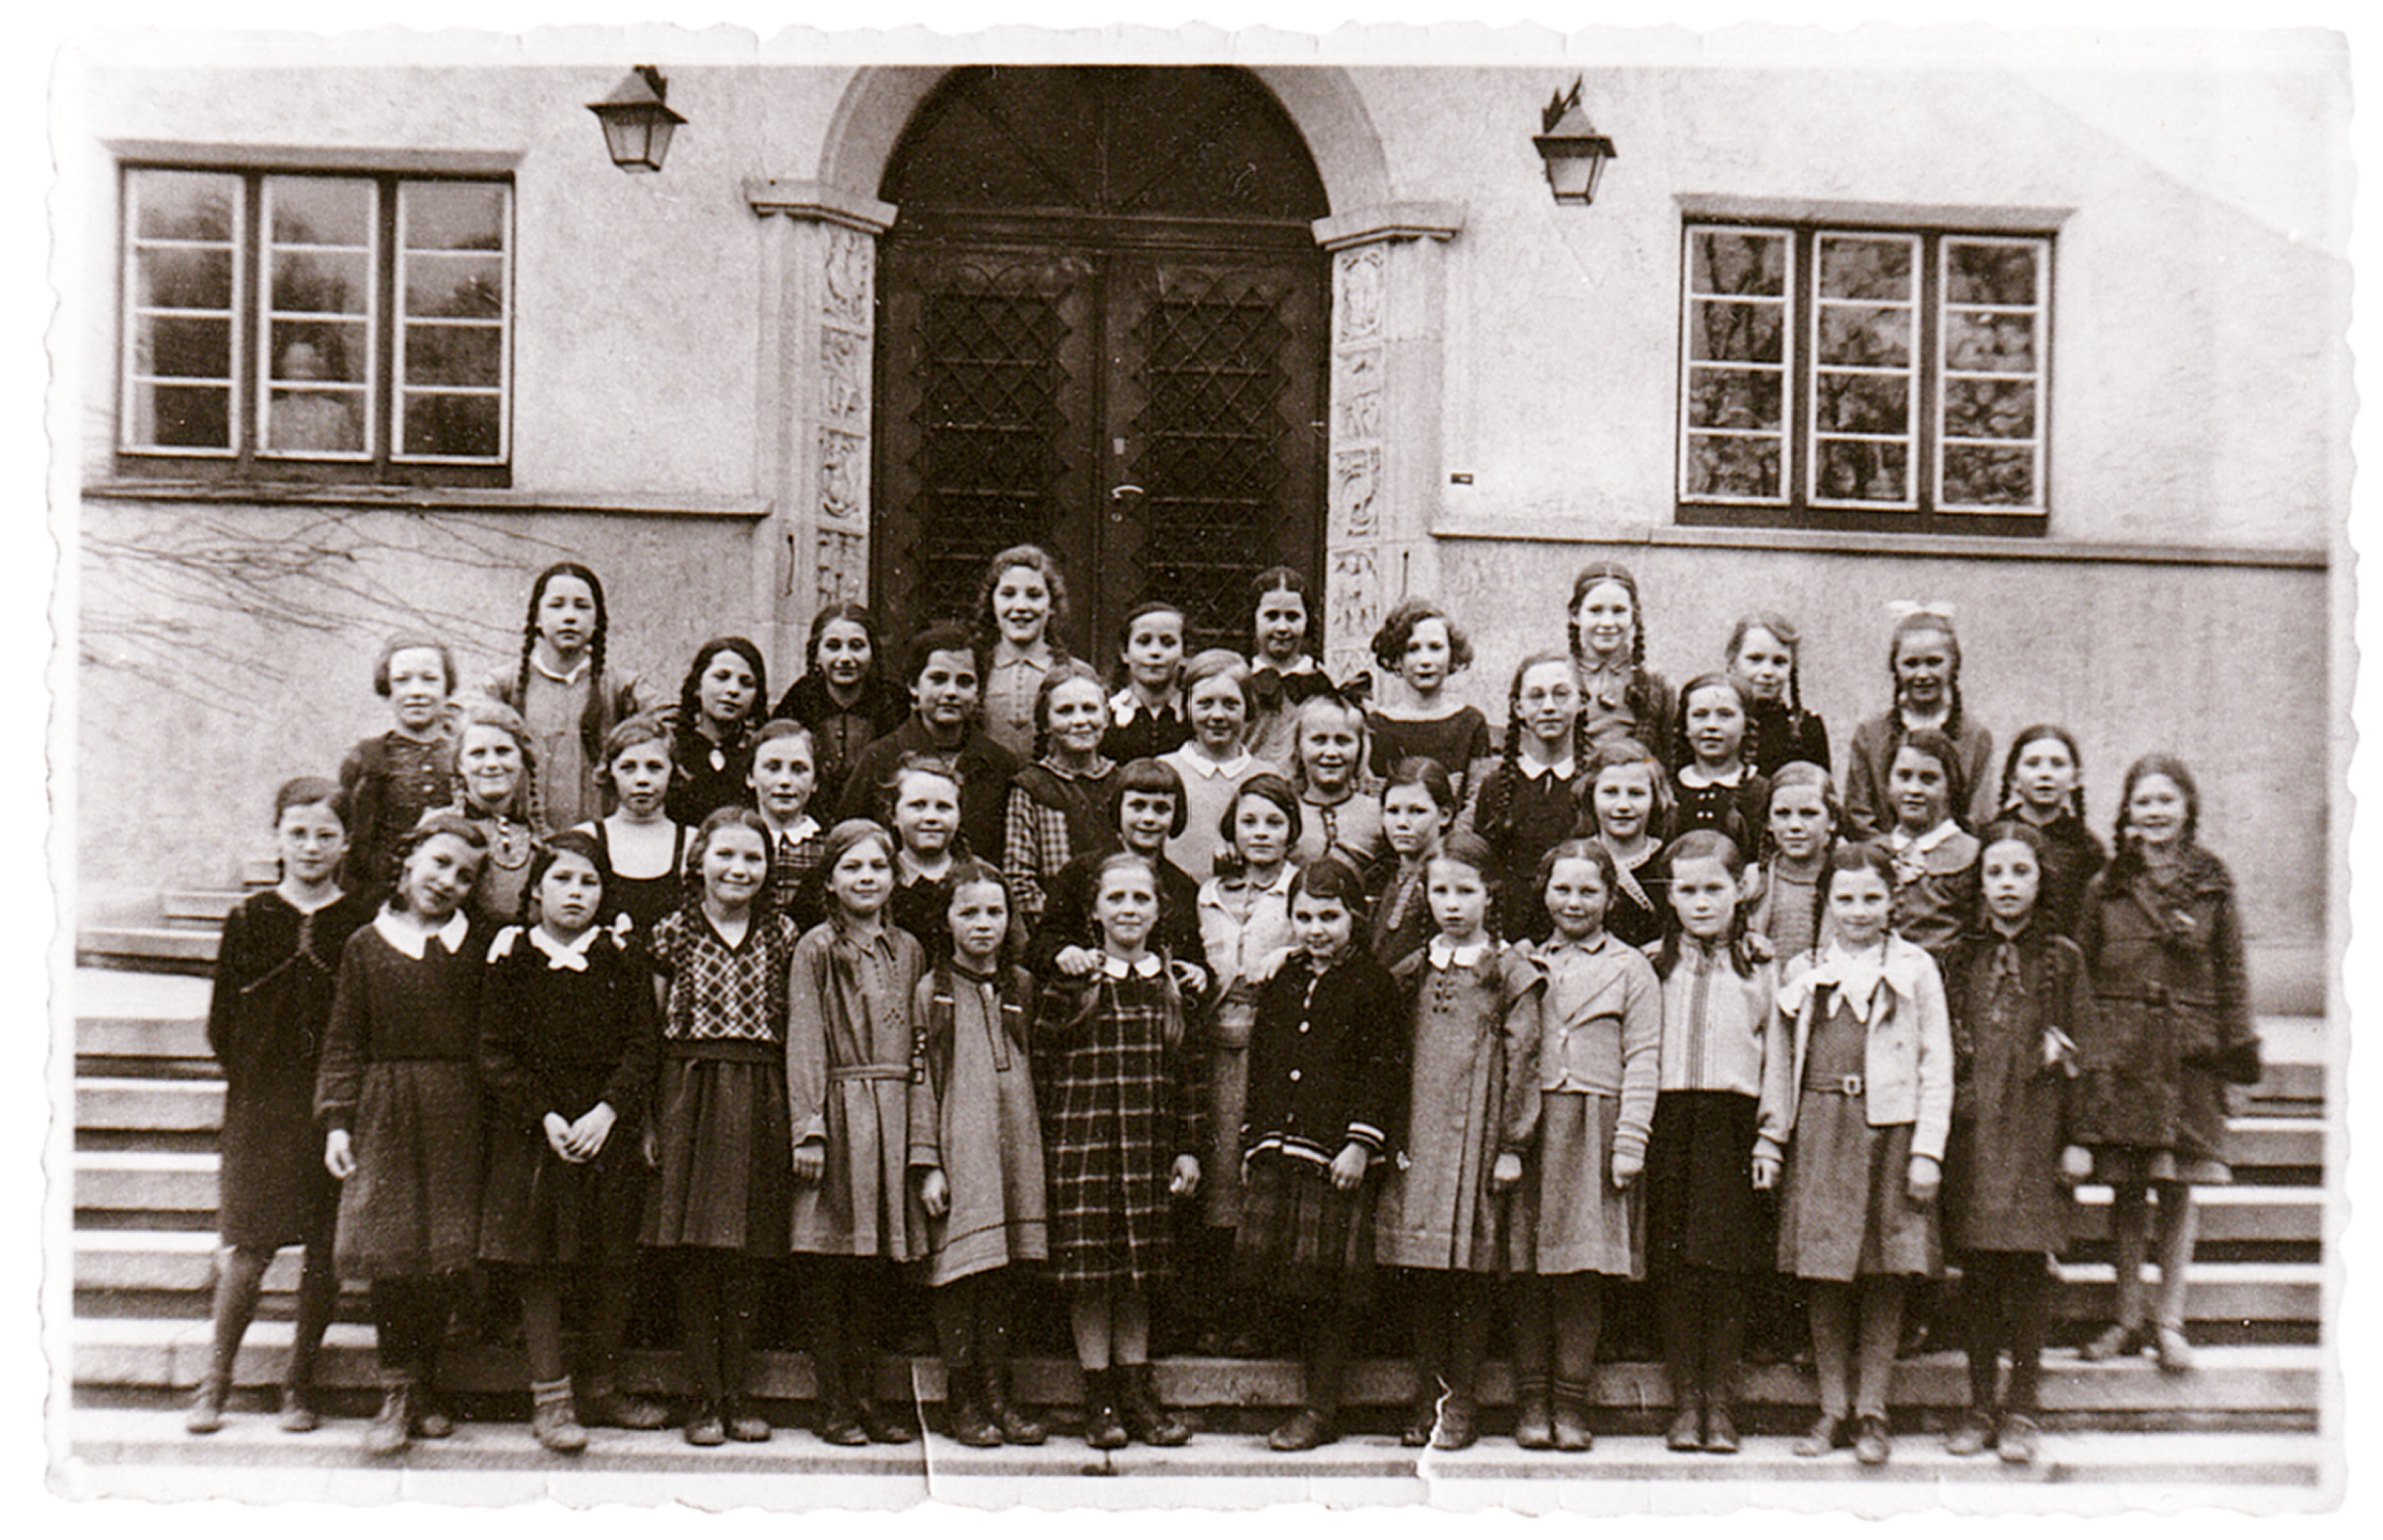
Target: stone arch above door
[1387,295]
[1321,101]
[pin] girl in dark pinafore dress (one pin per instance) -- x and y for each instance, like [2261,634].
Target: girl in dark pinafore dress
[568,1043]
[1536,793]
[400,1102]
[275,974]
[2018,996]
[639,835]
[721,1185]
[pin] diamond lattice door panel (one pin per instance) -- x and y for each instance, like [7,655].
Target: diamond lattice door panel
[1152,417]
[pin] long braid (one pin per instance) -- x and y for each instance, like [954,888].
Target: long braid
[595,715]
[1496,805]
[530,642]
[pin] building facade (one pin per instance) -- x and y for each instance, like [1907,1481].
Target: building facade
[361,342]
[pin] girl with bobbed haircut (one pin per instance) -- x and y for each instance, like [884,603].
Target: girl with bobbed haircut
[710,758]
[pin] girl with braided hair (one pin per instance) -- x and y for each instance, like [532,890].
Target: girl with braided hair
[2043,786]
[1621,696]
[563,693]
[1924,660]
[1535,794]
[1764,654]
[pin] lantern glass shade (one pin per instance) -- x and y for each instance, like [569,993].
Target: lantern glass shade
[1575,155]
[637,121]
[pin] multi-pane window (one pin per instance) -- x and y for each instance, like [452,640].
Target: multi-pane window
[1866,377]
[281,320]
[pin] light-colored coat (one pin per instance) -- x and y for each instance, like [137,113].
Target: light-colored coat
[1907,1052]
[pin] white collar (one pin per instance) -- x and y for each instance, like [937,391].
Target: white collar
[1443,952]
[1127,705]
[1916,724]
[799,831]
[1558,943]
[571,956]
[573,678]
[1561,769]
[1301,664]
[908,868]
[1897,839]
[1150,966]
[1195,761]
[1696,774]
[1897,964]
[1007,654]
[413,940]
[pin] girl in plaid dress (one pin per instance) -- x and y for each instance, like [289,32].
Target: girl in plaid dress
[719,1201]
[1125,1106]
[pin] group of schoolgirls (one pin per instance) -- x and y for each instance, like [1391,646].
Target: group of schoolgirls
[1631,996]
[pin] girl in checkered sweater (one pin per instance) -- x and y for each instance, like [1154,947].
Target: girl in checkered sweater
[720,1199]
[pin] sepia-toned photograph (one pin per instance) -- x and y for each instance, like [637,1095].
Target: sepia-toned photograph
[1449,768]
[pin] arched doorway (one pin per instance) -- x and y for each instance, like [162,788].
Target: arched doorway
[1100,326]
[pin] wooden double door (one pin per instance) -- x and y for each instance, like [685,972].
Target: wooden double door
[1150,409]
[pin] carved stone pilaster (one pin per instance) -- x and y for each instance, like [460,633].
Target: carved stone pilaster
[820,315]
[1388,307]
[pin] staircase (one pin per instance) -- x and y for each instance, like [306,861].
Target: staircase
[147,1101]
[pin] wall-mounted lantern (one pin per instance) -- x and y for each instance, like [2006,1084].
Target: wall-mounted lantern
[1576,153]
[637,119]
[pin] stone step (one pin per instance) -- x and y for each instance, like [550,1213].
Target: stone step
[153,1262]
[2229,1291]
[125,1102]
[202,906]
[2238,1214]
[131,1452]
[154,948]
[2279,1382]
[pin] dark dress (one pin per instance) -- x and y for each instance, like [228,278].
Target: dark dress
[1640,905]
[1120,1106]
[1455,742]
[647,900]
[838,735]
[986,769]
[1146,734]
[1327,1069]
[1523,817]
[554,1038]
[391,781]
[923,906]
[2171,1029]
[2072,855]
[705,776]
[397,1073]
[275,974]
[1779,737]
[1741,812]
[2010,1080]
[1067,916]
[723,1175]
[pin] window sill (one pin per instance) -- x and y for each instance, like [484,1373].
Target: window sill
[426,498]
[1831,542]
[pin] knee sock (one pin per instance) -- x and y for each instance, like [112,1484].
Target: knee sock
[699,1308]
[1725,1337]
[1830,1306]
[1469,1332]
[1576,1304]
[1984,1285]
[609,1290]
[1330,1327]
[542,1322]
[318,1300]
[1535,1327]
[1683,1333]
[2024,1303]
[2179,1224]
[1881,1327]
[237,1288]
[2129,1221]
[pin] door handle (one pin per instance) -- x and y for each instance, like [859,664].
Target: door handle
[1121,498]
